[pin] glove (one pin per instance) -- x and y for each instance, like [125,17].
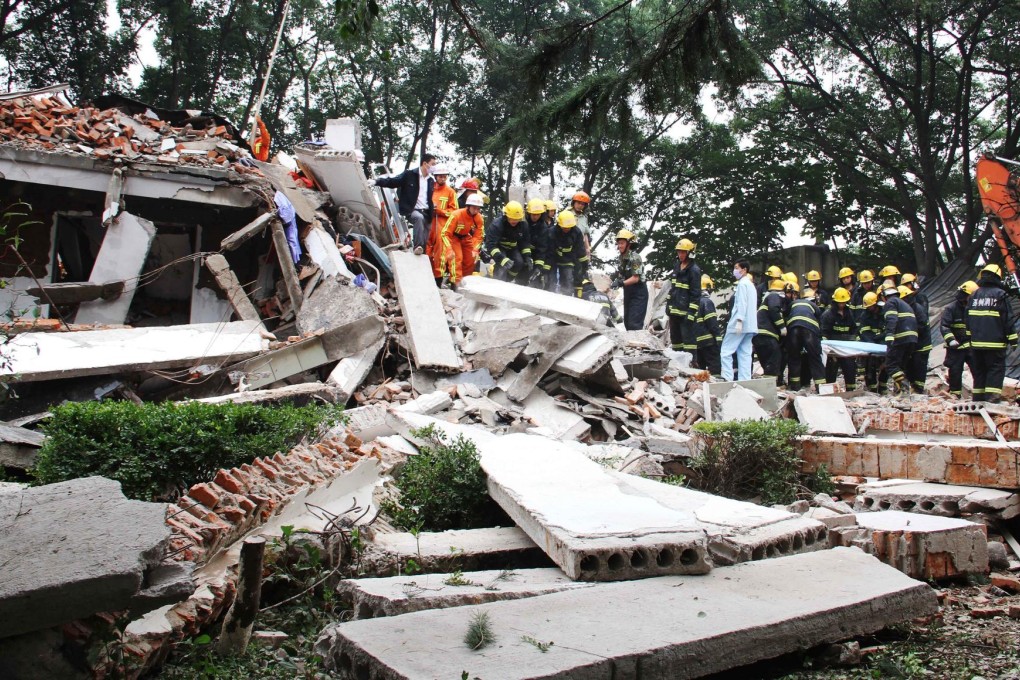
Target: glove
[617,282]
[738,327]
[535,275]
[503,268]
[529,263]
[782,332]
[485,257]
[954,343]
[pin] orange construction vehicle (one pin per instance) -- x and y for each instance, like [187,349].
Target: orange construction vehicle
[998,181]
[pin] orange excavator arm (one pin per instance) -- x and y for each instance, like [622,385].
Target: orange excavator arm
[998,181]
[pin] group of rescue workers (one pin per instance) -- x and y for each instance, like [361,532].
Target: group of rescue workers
[977,327]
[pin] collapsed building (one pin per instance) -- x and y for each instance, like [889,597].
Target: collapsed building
[166,264]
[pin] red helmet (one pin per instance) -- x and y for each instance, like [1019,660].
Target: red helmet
[470,184]
[582,196]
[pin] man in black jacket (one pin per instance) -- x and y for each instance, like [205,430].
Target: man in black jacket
[957,337]
[414,198]
[992,329]
[900,337]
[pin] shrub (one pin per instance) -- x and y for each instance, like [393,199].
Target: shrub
[749,459]
[441,488]
[158,450]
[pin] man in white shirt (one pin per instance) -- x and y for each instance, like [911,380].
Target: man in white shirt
[414,198]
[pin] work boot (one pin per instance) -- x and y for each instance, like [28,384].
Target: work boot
[418,250]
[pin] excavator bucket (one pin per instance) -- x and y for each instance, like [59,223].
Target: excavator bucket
[998,183]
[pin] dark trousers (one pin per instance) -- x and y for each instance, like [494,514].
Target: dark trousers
[897,360]
[989,369]
[517,273]
[834,364]
[708,358]
[871,369]
[801,340]
[564,280]
[683,335]
[955,360]
[769,354]
[635,305]
[918,370]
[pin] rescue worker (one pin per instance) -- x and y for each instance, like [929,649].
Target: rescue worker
[846,279]
[444,203]
[889,274]
[920,298]
[630,276]
[707,329]
[579,205]
[468,186]
[771,330]
[918,369]
[790,279]
[900,337]
[458,239]
[865,285]
[992,329]
[569,258]
[538,235]
[588,291]
[822,296]
[507,243]
[838,324]
[954,330]
[260,141]
[771,274]
[804,336]
[742,325]
[551,210]
[684,294]
[871,328]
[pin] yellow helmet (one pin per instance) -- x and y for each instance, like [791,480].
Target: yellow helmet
[625,234]
[905,291]
[866,276]
[536,206]
[968,287]
[870,299]
[808,293]
[773,272]
[994,269]
[776,284]
[841,295]
[790,278]
[550,205]
[790,288]
[889,270]
[706,281]
[890,290]
[566,219]
[685,244]
[813,276]
[845,272]
[907,278]
[514,210]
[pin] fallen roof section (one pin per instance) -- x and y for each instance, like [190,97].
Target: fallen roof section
[553,305]
[427,332]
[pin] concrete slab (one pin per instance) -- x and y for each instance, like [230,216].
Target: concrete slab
[553,305]
[427,404]
[824,415]
[342,174]
[370,598]
[766,387]
[586,357]
[75,548]
[299,395]
[121,256]
[558,420]
[334,303]
[831,518]
[449,551]
[588,522]
[544,348]
[323,251]
[664,628]
[741,403]
[351,371]
[488,335]
[921,546]
[944,500]
[45,356]
[227,280]
[424,317]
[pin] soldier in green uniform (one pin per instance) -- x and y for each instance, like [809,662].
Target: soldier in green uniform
[630,277]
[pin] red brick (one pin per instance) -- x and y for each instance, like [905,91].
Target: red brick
[351,441]
[233,515]
[1014,611]
[1010,583]
[267,469]
[229,482]
[987,612]
[205,494]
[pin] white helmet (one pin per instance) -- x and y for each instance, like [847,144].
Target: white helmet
[440,170]
[475,200]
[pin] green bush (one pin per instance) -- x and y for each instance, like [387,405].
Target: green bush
[158,450]
[749,459]
[441,488]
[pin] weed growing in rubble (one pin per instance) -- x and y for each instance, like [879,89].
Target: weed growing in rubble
[749,459]
[479,632]
[158,450]
[441,488]
[457,579]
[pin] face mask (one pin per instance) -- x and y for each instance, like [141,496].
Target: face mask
[737,273]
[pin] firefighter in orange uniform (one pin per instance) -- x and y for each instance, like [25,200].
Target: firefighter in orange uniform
[444,203]
[461,238]
[260,142]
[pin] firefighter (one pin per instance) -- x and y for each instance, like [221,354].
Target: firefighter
[888,274]
[846,279]
[458,239]
[822,296]
[539,235]
[630,276]
[910,281]
[900,337]
[551,210]
[707,329]
[507,243]
[579,205]
[569,257]
[444,203]
[804,339]
[992,329]
[957,338]
[588,291]
[838,324]
[865,285]
[771,330]
[871,328]
[918,370]
[260,141]
[771,274]
[789,295]
[684,294]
